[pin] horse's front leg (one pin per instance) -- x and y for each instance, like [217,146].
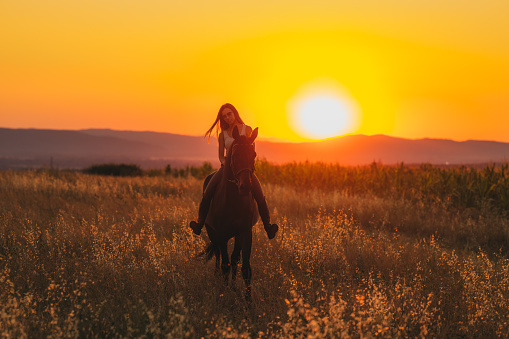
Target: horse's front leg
[236,257]
[246,265]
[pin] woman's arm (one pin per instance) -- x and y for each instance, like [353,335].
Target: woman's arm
[249,130]
[222,158]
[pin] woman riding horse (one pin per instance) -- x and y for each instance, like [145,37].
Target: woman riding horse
[227,119]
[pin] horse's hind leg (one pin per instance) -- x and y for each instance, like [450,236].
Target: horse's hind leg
[236,257]
[246,265]
[225,261]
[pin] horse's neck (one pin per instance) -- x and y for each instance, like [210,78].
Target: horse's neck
[225,187]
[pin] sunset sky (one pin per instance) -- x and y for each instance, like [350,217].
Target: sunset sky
[412,69]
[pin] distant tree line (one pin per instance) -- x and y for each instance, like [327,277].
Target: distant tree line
[198,172]
[117,170]
[458,186]
[132,170]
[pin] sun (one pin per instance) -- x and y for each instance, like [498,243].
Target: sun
[321,110]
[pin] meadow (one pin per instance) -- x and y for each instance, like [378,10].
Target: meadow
[366,251]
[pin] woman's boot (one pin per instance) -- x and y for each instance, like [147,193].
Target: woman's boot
[263,210]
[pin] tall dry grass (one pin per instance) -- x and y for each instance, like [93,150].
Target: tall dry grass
[90,256]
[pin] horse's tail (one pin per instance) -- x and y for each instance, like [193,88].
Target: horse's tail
[209,252]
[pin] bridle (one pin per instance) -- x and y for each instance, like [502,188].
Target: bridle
[236,171]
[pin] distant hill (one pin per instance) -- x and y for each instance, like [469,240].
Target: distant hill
[362,149]
[27,148]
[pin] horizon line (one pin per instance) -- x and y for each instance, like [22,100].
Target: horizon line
[260,138]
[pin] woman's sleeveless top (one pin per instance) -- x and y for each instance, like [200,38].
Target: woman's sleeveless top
[228,140]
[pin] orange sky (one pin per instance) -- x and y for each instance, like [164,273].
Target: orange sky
[415,69]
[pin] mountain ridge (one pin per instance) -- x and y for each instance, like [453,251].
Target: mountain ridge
[29,148]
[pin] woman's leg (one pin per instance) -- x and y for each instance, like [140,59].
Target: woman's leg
[207,180]
[208,193]
[263,209]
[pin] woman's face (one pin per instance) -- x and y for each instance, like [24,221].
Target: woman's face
[228,116]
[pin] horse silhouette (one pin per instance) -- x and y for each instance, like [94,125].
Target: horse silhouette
[233,211]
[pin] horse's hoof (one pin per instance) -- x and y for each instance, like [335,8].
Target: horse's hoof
[248,297]
[272,230]
[195,227]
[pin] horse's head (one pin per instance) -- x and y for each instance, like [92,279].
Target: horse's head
[242,159]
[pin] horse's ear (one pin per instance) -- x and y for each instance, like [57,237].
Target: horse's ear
[254,134]
[235,133]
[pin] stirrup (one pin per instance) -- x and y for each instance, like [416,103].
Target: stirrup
[196,227]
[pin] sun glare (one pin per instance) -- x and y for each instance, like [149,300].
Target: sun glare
[322,110]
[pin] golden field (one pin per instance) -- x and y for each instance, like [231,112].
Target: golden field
[368,251]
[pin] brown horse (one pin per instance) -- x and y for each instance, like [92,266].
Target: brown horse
[233,210]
